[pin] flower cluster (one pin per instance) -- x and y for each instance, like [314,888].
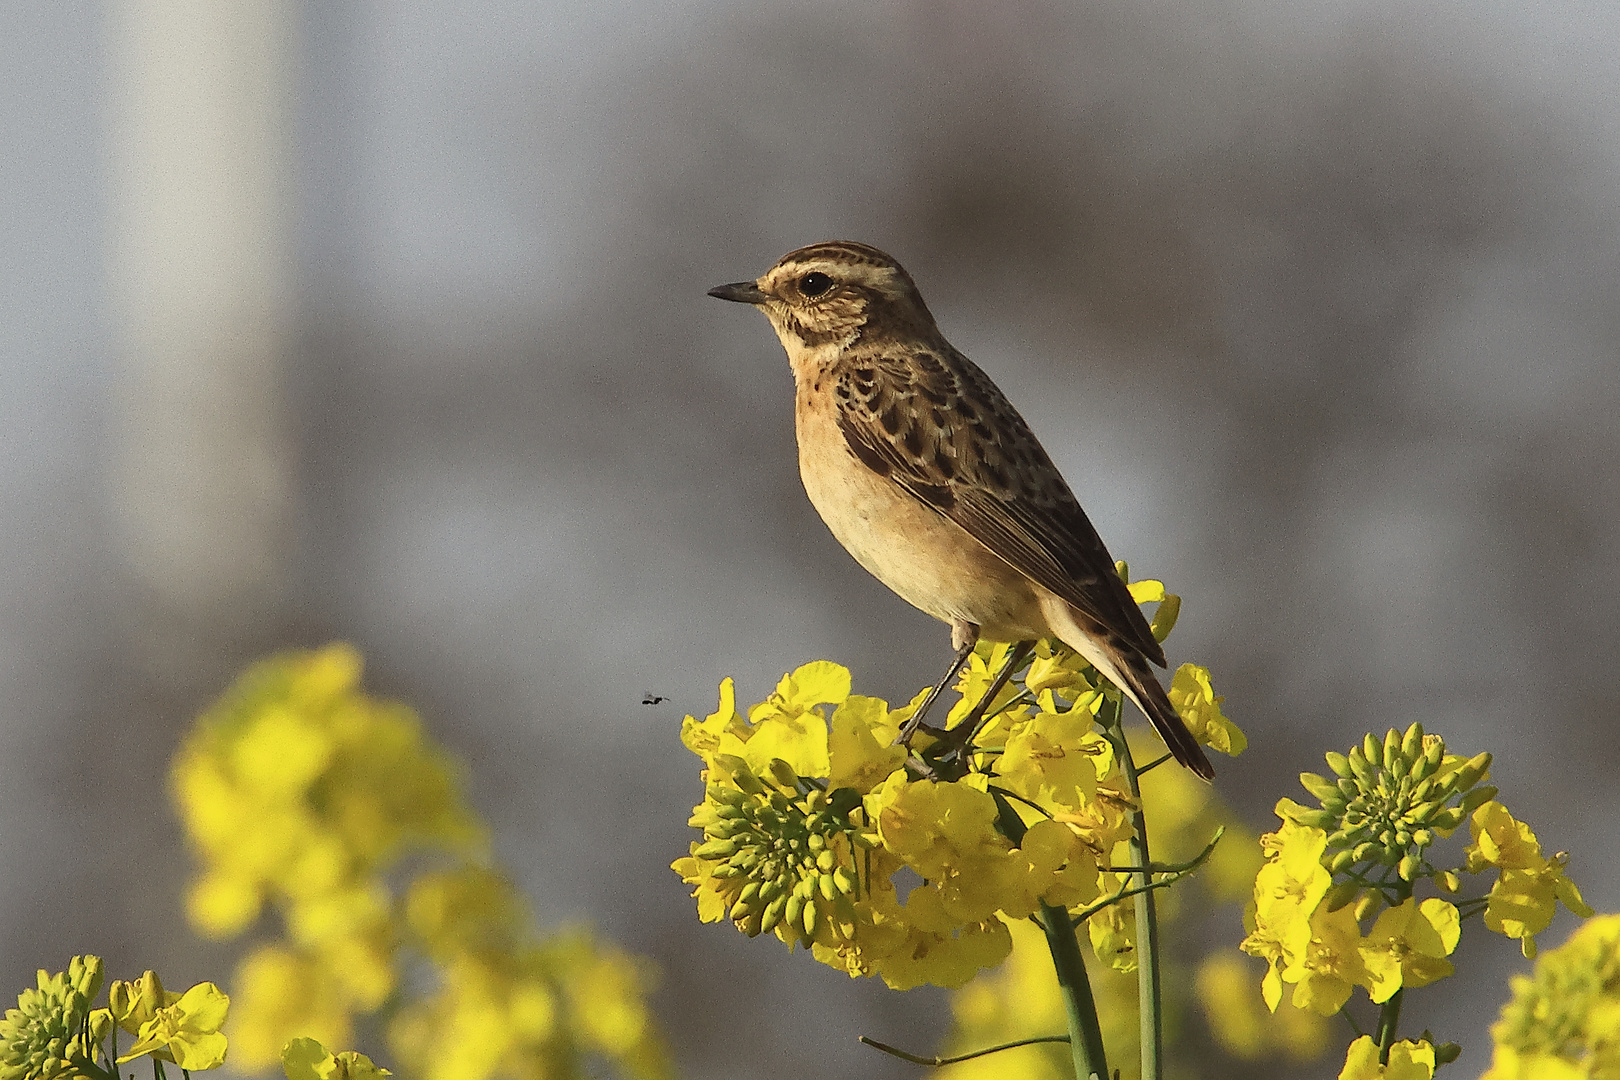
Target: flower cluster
[1021,999]
[1562,1021]
[1361,855]
[307,1059]
[809,815]
[54,1034]
[305,796]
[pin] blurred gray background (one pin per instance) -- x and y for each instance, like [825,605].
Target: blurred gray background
[386,321]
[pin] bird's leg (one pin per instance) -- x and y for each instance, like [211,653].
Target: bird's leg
[964,635]
[959,738]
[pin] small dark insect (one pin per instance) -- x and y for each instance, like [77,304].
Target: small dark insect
[653,699]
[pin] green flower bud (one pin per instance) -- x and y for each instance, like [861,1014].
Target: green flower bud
[1341,894]
[773,914]
[1372,750]
[1445,1053]
[1367,852]
[828,887]
[794,911]
[715,849]
[1478,797]
[1408,868]
[1392,751]
[1341,862]
[783,774]
[1324,791]
[1448,882]
[845,880]
[725,795]
[1366,772]
[1368,905]
[1447,820]
[809,922]
[1412,743]
[1340,766]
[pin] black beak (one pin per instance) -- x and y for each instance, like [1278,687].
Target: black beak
[740,292]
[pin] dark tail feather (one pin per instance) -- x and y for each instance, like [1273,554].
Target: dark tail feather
[1155,704]
[1128,669]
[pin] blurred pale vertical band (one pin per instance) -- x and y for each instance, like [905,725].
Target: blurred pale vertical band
[198,128]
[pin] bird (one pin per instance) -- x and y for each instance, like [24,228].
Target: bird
[928,476]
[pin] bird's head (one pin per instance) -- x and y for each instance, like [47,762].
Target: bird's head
[833,293]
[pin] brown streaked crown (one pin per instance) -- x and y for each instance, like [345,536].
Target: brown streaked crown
[837,291]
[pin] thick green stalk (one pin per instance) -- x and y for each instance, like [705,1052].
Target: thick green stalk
[1389,1014]
[1150,990]
[1085,1033]
[1389,1017]
[1062,938]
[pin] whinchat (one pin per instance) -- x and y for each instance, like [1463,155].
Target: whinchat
[926,473]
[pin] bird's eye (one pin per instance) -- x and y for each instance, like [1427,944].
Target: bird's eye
[814,284]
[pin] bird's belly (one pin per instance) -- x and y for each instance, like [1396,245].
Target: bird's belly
[929,560]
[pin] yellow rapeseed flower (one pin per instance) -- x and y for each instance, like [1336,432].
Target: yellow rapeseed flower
[1200,708]
[307,1059]
[1327,965]
[1407,1061]
[1408,946]
[1525,896]
[186,1032]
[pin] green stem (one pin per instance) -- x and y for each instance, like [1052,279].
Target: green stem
[1389,1017]
[1085,1033]
[918,1059]
[1150,990]
[1062,938]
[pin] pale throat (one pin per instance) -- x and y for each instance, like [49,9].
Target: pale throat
[810,361]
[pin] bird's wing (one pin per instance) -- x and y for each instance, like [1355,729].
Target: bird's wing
[940,429]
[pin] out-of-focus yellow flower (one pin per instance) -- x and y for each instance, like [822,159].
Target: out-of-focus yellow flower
[186,1032]
[1200,708]
[465,909]
[1407,1061]
[606,993]
[306,1059]
[278,991]
[1245,1029]
[1408,946]
[1563,1022]
[1525,896]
